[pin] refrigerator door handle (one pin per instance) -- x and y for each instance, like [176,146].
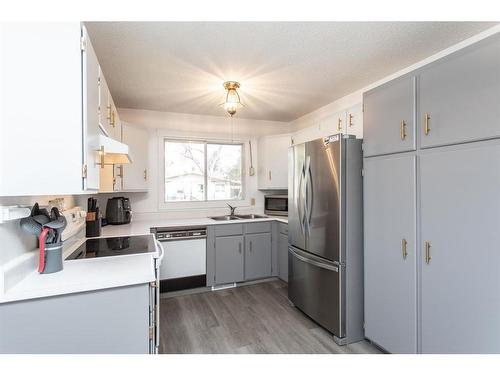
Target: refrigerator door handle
[310,200]
[313,262]
[307,214]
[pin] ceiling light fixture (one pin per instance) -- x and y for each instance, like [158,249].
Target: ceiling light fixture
[233,101]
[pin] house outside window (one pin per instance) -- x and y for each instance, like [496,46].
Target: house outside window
[202,171]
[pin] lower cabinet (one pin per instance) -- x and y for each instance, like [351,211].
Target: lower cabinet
[257,256]
[283,252]
[229,259]
[108,321]
[240,252]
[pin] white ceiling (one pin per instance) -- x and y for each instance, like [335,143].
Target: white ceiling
[286,69]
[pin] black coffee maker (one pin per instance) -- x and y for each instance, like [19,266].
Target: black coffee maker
[118,211]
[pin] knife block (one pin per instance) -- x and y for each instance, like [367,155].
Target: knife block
[93,228]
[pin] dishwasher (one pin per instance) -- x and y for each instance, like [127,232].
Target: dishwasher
[184,264]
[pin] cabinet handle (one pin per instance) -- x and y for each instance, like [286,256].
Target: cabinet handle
[239,247]
[426,124]
[339,125]
[145,174]
[101,155]
[350,119]
[427,252]
[112,122]
[270,177]
[108,116]
[404,248]
[250,246]
[402,130]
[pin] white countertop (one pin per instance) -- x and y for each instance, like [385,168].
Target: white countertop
[138,227]
[96,273]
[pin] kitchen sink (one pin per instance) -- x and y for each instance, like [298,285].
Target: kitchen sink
[224,218]
[252,216]
[238,217]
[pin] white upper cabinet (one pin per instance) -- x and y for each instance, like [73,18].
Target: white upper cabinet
[273,162]
[333,124]
[135,176]
[108,115]
[41,110]
[90,114]
[354,121]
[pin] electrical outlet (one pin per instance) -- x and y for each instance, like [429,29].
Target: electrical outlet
[252,201]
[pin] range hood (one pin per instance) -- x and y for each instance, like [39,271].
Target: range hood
[112,152]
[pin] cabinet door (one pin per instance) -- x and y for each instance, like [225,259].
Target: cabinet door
[460,216]
[229,264]
[90,114]
[257,256]
[388,118]
[459,96]
[283,257]
[40,108]
[354,121]
[105,106]
[135,175]
[273,159]
[390,263]
[333,124]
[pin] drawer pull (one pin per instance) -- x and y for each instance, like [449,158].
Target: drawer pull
[427,129]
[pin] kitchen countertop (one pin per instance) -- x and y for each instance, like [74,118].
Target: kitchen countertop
[97,273]
[139,227]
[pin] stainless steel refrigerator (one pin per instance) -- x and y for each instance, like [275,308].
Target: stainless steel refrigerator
[325,234]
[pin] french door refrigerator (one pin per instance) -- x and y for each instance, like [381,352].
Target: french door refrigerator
[325,234]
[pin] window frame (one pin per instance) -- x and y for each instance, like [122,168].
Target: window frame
[205,203]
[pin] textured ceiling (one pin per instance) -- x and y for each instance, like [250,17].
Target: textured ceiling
[286,69]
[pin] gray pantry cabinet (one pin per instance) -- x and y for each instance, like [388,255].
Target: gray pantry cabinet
[107,321]
[241,252]
[431,215]
[459,96]
[389,252]
[460,229]
[388,118]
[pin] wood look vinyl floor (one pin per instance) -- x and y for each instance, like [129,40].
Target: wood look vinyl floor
[254,318]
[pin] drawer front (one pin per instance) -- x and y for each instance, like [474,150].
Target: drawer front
[283,228]
[228,229]
[261,227]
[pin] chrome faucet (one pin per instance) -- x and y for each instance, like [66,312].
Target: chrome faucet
[232,209]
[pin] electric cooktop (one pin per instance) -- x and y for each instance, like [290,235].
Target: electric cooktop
[113,246]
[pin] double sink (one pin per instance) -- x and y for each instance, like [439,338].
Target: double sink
[238,217]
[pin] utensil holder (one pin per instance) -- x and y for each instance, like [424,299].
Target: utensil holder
[93,228]
[53,258]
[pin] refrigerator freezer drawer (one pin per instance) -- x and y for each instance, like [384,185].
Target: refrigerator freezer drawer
[314,286]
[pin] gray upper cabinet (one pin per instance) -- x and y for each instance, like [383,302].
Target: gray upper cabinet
[460,216]
[389,252]
[388,118]
[229,259]
[257,256]
[459,96]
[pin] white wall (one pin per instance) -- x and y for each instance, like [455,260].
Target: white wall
[13,240]
[167,124]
